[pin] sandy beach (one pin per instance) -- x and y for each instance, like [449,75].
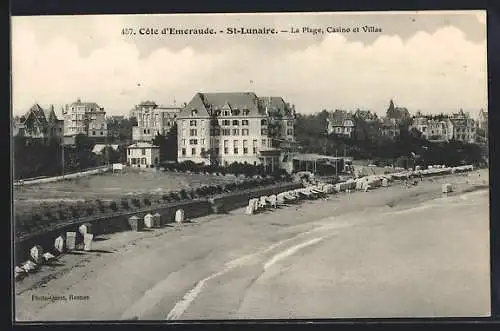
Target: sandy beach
[392,252]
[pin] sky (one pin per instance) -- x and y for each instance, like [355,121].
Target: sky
[429,61]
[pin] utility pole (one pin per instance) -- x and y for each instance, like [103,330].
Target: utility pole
[62,155]
[336,163]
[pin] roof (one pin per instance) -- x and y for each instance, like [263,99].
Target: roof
[315,157]
[88,105]
[275,106]
[208,104]
[147,103]
[365,115]
[339,117]
[98,148]
[397,112]
[36,113]
[142,145]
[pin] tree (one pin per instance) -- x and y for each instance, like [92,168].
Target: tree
[171,144]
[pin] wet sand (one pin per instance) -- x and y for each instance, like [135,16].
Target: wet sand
[388,253]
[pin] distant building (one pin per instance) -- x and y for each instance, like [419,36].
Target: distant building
[235,127]
[390,128]
[464,127]
[340,122]
[366,115]
[86,118]
[38,123]
[400,115]
[143,155]
[152,120]
[482,125]
[433,128]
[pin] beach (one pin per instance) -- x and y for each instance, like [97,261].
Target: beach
[390,252]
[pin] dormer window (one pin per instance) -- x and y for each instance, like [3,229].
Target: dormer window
[194,112]
[226,113]
[246,112]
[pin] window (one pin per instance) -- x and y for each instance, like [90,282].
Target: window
[263,131]
[143,160]
[183,142]
[244,132]
[226,148]
[183,152]
[192,123]
[202,150]
[264,142]
[236,132]
[245,147]
[193,151]
[128,152]
[246,112]
[244,122]
[143,151]
[144,131]
[202,122]
[263,122]
[236,122]
[102,133]
[215,132]
[289,132]
[184,123]
[217,150]
[226,113]
[289,123]
[226,122]
[226,132]
[149,131]
[235,146]
[202,142]
[193,141]
[93,133]
[193,132]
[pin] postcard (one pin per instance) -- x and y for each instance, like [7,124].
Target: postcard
[250,166]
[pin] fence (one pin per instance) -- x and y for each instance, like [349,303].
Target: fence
[94,171]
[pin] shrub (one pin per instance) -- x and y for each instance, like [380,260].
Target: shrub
[124,204]
[36,218]
[175,196]
[75,213]
[113,206]
[183,194]
[147,201]
[165,197]
[101,207]
[136,202]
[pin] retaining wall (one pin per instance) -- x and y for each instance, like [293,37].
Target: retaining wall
[117,222]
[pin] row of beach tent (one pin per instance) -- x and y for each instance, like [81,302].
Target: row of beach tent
[321,190]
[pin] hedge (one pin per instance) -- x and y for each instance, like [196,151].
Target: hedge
[49,214]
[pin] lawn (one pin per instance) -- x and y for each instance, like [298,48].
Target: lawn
[111,186]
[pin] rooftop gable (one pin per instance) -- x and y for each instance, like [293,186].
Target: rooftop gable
[208,104]
[339,118]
